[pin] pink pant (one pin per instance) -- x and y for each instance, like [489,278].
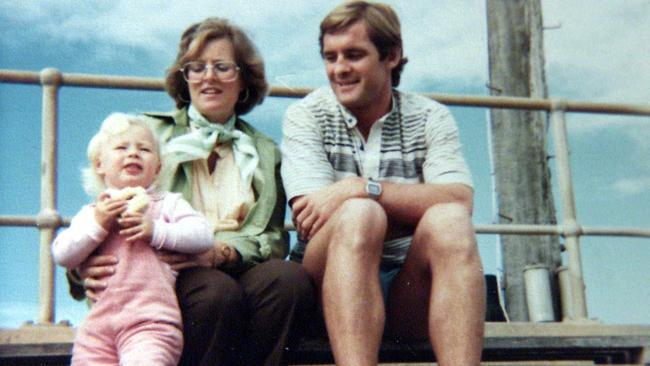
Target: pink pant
[145,344]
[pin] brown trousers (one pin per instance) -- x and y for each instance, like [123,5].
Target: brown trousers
[248,319]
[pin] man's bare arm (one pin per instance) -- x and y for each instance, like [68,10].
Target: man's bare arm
[406,203]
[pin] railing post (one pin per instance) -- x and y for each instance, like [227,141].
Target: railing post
[572,230]
[48,220]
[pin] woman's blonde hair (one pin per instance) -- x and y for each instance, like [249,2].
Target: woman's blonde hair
[114,124]
[192,43]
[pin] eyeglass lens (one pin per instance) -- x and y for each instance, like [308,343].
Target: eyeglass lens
[196,70]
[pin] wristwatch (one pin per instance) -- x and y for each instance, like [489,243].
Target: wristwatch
[373,189]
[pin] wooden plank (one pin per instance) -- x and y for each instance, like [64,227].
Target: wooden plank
[515,363]
[505,344]
[37,334]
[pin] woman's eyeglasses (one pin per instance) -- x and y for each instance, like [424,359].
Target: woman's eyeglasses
[194,71]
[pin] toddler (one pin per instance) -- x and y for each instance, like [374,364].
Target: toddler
[136,319]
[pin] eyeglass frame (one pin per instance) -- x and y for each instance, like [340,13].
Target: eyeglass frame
[213,66]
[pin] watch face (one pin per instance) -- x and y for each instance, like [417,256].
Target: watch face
[374,189]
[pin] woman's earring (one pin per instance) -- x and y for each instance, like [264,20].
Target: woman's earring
[180,96]
[245,98]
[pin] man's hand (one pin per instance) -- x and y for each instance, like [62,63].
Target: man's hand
[108,209]
[136,226]
[311,212]
[95,272]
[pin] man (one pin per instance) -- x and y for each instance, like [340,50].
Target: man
[382,200]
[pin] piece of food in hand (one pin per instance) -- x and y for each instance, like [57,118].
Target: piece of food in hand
[138,203]
[137,198]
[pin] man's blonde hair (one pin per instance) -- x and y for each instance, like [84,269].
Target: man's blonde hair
[382,25]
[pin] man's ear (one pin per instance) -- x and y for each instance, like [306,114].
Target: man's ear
[394,57]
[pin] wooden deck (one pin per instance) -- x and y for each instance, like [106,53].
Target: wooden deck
[505,344]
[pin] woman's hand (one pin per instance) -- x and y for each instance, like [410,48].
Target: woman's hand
[221,255]
[225,255]
[179,261]
[95,272]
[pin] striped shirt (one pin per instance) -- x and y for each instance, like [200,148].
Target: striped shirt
[416,142]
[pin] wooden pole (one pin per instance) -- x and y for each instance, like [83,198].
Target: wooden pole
[519,139]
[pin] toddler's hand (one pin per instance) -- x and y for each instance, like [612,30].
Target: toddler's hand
[136,226]
[108,209]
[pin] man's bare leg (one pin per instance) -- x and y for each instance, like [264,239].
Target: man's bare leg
[442,269]
[344,259]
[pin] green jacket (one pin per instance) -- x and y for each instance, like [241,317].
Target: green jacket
[262,234]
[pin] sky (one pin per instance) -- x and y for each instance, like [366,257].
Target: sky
[593,52]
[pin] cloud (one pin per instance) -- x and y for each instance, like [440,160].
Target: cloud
[588,123]
[117,23]
[599,52]
[15,313]
[594,53]
[640,135]
[446,44]
[632,186]
[452,48]
[149,23]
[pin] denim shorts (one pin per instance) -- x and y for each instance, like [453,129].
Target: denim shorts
[387,274]
[387,271]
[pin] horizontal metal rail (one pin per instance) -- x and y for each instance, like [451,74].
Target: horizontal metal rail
[498,229]
[123,82]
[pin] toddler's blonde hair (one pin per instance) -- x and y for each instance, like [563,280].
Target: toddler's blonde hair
[114,124]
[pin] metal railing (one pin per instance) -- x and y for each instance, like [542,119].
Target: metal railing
[48,219]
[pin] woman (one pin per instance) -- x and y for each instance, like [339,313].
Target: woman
[238,301]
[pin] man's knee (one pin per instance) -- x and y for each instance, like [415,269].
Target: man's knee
[359,210]
[360,219]
[447,230]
